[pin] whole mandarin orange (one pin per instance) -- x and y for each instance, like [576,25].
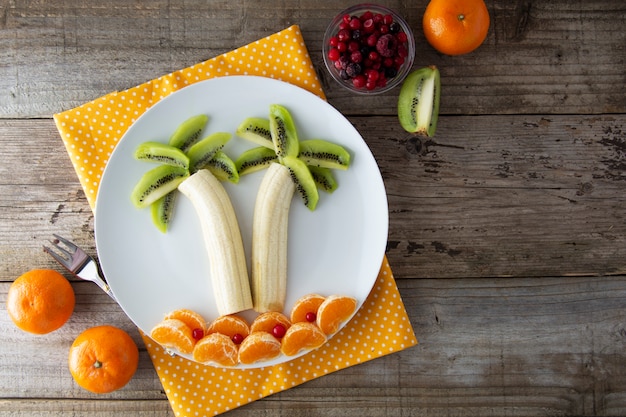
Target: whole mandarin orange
[456,27]
[40,301]
[103,359]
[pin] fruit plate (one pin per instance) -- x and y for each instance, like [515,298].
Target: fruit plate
[336,249]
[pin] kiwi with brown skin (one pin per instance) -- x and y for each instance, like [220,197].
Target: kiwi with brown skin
[418,102]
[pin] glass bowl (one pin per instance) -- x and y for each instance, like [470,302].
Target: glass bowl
[381,41]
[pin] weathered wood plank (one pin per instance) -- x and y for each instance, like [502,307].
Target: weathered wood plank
[552,57]
[510,196]
[551,346]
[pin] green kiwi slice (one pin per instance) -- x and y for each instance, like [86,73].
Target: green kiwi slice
[321,153]
[418,102]
[157,182]
[162,209]
[188,132]
[223,168]
[256,130]
[161,153]
[283,130]
[324,178]
[305,184]
[201,153]
[255,159]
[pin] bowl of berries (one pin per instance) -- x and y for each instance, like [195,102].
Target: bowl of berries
[368,49]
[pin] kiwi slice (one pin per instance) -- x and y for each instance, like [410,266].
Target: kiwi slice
[418,102]
[305,184]
[162,210]
[157,182]
[321,153]
[201,153]
[188,132]
[161,153]
[283,130]
[323,178]
[223,167]
[256,130]
[255,159]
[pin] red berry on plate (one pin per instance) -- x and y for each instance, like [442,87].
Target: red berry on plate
[279,331]
[237,338]
[310,317]
[197,333]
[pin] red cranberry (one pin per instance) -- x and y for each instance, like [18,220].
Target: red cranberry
[237,338]
[334,54]
[310,317]
[279,331]
[197,333]
[355,23]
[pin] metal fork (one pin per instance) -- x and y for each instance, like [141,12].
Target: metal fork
[76,261]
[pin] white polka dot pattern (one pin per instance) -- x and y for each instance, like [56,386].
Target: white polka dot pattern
[90,133]
[379,328]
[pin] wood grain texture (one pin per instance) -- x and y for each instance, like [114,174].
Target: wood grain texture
[507,230]
[59,55]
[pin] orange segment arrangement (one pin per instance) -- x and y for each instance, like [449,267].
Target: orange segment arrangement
[455,27]
[216,348]
[258,346]
[334,311]
[229,340]
[305,308]
[40,301]
[103,359]
[174,334]
[302,336]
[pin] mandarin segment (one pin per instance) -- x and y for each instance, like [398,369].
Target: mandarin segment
[174,334]
[258,346]
[230,325]
[334,311]
[192,319]
[302,336]
[306,305]
[216,348]
[266,322]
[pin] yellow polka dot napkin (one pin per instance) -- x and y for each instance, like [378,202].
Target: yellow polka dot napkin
[91,131]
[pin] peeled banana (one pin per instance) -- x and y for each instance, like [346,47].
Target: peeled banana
[269,239]
[222,238]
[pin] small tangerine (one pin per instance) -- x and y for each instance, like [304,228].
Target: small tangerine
[103,359]
[40,301]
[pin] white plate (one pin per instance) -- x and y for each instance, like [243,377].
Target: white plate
[337,249]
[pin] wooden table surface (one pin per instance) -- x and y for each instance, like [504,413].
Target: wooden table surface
[507,230]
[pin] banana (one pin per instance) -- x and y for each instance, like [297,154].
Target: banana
[269,239]
[222,238]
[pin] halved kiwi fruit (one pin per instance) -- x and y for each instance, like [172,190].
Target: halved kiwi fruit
[418,103]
